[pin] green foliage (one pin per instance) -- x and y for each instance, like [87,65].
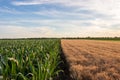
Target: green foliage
[29,59]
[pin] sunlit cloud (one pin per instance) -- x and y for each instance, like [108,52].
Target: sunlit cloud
[24,32]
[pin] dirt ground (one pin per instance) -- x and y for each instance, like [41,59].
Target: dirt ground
[92,59]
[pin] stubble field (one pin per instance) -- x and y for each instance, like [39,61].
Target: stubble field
[92,59]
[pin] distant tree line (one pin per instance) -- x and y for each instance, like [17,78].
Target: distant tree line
[94,38]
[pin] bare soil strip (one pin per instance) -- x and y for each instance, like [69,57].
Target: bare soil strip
[92,59]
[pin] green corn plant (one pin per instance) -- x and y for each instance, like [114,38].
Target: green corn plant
[20,76]
[12,64]
[30,59]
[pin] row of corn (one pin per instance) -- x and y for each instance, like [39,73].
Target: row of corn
[29,59]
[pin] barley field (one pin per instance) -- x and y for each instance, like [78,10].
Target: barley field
[92,59]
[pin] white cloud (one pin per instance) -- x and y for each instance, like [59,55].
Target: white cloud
[56,23]
[107,7]
[56,28]
[9,10]
[37,2]
[65,14]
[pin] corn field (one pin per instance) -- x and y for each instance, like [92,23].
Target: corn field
[29,59]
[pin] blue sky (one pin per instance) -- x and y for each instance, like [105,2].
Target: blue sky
[59,18]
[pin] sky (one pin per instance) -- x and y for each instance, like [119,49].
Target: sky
[59,18]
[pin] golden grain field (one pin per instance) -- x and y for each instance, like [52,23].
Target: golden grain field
[92,59]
